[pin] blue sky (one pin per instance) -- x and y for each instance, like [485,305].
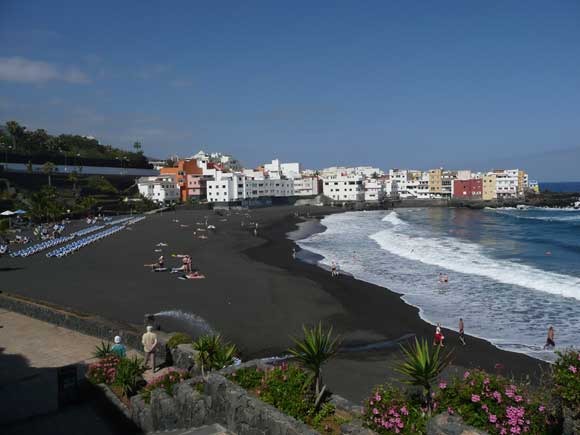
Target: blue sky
[389,83]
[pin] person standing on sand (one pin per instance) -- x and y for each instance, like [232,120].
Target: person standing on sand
[333,269]
[149,341]
[294,253]
[461,332]
[550,343]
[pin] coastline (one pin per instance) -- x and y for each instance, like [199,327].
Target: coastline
[379,316]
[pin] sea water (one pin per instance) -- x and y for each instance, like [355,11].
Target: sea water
[512,273]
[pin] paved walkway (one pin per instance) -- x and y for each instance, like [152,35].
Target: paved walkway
[30,353]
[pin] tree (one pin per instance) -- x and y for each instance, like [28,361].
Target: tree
[48,169]
[422,366]
[313,351]
[29,167]
[213,353]
[73,177]
[16,131]
[137,146]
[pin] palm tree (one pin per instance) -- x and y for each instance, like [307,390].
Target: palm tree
[203,347]
[314,350]
[137,146]
[422,366]
[214,353]
[48,169]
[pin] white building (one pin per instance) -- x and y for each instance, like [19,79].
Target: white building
[279,170]
[225,161]
[374,190]
[161,189]
[506,184]
[235,186]
[363,171]
[307,186]
[344,187]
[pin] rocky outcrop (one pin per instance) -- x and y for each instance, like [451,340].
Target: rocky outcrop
[571,422]
[445,424]
[184,358]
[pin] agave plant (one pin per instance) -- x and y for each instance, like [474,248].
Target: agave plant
[422,365]
[103,350]
[314,350]
[214,353]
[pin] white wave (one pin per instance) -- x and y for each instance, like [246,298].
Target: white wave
[394,219]
[468,258]
[575,218]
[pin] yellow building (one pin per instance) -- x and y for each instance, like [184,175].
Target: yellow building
[522,181]
[435,181]
[489,187]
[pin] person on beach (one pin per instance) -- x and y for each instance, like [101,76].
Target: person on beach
[294,253]
[118,349]
[550,343]
[443,278]
[149,341]
[438,340]
[333,269]
[461,332]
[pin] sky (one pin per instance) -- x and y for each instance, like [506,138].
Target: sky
[419,84]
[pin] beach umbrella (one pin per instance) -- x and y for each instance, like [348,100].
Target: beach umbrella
[20,212]
[9,214]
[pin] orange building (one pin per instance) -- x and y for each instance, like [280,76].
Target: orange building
[180,173]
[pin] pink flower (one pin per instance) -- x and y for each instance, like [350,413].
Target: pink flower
[375,411]
[573,369]
[492,418]
[442,385]
[486,381]
[450,410]
[518,398]
[404,410]
[475,398]
[377,397]
[484,407]
[541,408]
[465,375]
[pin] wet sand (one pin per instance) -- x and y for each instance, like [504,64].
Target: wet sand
[255,293]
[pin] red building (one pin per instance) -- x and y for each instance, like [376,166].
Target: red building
[468,188]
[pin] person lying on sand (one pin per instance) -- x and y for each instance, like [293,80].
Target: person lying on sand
[160,263]
[438,339]
[192,275]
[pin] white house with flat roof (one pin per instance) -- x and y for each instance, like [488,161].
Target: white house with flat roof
[161,189]
[344,187]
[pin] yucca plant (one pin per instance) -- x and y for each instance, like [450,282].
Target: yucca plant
[103,350]
[422,365]
[314,350]
[129,375]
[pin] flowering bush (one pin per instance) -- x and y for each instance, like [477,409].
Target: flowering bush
[493,404]
[104,371]
[387,411]
[166,381]
[567,378]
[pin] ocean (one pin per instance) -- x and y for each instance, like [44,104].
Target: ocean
[567,186]
[512,273]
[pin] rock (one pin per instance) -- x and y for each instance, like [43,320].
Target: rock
[163,411]
[184,358]
[445,424]
[571,422]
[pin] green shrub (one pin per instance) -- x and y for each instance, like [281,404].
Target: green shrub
[248,378]
[166,381]
[388,411]
[494,404]
[567,378]
[177,339]
[129,375]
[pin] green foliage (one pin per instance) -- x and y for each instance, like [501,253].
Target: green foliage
[46,204]
[129,375]
[214,353]
[99,184]
[286,387]
[166,381]
[388,411]
[494,404]
[39,142]
[422,365]
[314,350]
[4,225]
[567,378]
[177,339]
[103,350]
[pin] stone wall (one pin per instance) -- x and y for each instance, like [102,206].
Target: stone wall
[445,424]
[84,323]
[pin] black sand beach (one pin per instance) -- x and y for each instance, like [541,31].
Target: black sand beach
[255,293]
